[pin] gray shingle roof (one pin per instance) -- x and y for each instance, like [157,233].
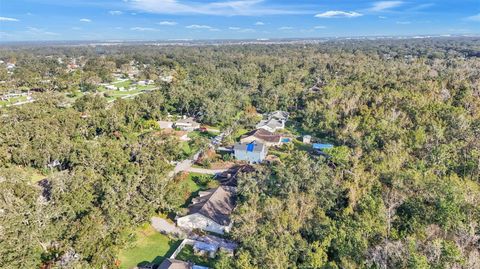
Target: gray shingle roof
[264,135]
[217,204]
[271,123]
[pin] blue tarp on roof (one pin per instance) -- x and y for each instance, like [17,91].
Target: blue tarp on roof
[250,147]
[322,146]
[205,246]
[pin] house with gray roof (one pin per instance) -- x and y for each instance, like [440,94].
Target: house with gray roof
[263,136]
[252,152]
[187,124]
[211,211]
[279,115]
[274,121]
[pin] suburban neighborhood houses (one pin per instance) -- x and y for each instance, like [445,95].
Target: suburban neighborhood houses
[200,230]
[207,217]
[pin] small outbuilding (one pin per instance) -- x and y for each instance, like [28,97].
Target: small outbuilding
[319,146]
[202,248]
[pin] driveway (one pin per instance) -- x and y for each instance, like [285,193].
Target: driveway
[184,165]
[165,227]
[205,171]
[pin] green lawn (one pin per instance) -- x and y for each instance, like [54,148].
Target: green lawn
[123,93]
[238,133]
[35,176]
[185,147]
[196,182]
[13,100]
[146,87]
[196,134]
[124,84]
[201,181]
[150,246]
[187,254]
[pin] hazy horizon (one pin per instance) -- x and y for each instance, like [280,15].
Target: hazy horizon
[150,20]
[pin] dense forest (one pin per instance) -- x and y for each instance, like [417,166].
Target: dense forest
[401,189]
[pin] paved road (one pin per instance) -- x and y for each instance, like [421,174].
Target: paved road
[184,165]
[205,171]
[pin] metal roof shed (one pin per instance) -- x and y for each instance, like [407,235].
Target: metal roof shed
[205,246]
[322,146]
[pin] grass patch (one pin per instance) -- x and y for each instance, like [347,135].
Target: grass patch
[146,87]
[124,84]
[186,149]
[195,183]
[13,100]
[123,93]
[238,133]
[197,134]
[187,254]
[302,146]
[149,246]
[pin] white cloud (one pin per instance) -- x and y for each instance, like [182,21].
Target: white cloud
[283,28]
[404,22]
[259,23]
[168,23]
[38,31]
[385,5]
[382,17]
[242,30]
[196,26]
[200,27]
[85,20]
[221,8]
[76,28]
[338,14]
[247,30]
[474,17]
[143,29]
[8,19]
[115,12]
[320,27]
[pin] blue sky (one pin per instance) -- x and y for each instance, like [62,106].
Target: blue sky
[231,19]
